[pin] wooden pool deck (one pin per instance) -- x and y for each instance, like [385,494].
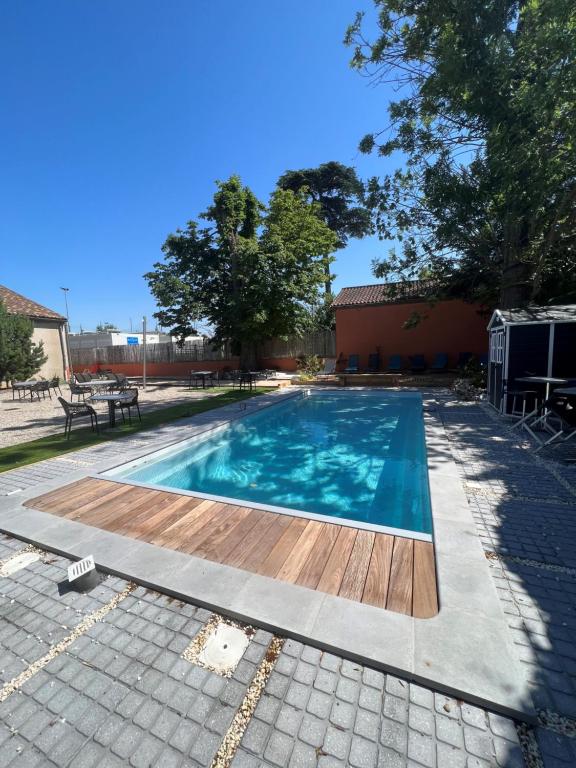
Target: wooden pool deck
[390,572]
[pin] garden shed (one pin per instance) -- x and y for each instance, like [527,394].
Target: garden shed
[535,341]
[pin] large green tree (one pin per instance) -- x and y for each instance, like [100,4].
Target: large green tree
[254,273]
[20,357]
[486,120]
[339,195]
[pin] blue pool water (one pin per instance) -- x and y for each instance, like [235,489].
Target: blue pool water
[354,455]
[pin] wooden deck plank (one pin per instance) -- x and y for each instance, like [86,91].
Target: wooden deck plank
[238,534]
[354,579]
[316,561]
[50,499]
[335,568]
[294,564]
[378,569]
[283,547]
[265,543]
[401,575]
[223,524]
[425,597]
[378,577]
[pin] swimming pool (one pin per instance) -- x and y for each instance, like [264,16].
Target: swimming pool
[356,457]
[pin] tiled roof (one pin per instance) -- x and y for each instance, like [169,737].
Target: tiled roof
[384,293]
[16,304]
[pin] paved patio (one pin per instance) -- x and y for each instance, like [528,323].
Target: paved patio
[524,510]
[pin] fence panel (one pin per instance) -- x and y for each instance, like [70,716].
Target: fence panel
[322,343]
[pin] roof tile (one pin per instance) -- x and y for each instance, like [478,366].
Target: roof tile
[16,304]
[384,293]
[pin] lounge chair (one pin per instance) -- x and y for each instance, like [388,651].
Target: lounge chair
[440,362]
[80,392]
[373,362]
[40,388]
[353,364]
[417,363]
[395,363]
[329,367]
[77,411]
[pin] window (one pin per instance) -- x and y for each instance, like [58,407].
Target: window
[497,347]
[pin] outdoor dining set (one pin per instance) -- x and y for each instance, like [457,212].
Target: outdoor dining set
[553,413]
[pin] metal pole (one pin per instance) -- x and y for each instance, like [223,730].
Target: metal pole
[144,352]
[70,369]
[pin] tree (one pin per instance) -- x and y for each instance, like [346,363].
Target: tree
[486,120]
[105,327]
[252,275]
[339,194]
[20,357]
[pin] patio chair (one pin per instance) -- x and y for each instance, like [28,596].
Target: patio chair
[80,392]
[329,367]
[440,362]
[40,388]
[353,364]
[394,364]
[78,411]
[55,384]
[563,408]
[373,362]
[129,404]
[417,363]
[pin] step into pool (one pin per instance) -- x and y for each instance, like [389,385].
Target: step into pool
[356,458]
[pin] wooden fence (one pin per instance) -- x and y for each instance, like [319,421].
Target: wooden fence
[322,343]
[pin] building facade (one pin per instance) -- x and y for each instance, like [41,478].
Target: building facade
[49,327]
[399,319]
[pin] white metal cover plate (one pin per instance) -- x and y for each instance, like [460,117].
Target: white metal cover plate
[223,649]
[80,568]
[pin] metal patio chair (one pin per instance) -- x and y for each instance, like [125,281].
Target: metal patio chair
[78,411]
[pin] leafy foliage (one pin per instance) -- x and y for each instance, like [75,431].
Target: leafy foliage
[339,195]
[486,117]
[252,275]
[104,327]
[20,357]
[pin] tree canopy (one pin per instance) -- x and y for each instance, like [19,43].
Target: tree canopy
[486,119]
[254,273]
[339,195]
[20,357]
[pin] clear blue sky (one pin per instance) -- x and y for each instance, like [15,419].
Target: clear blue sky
[119,116]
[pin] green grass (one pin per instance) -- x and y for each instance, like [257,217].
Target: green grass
[54,445]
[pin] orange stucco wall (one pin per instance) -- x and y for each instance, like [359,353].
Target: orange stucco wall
[449,326]
[182,370]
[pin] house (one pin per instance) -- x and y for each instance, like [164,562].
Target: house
[49,327]
[100,339]
[400,319]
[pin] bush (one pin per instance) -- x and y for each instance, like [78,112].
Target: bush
[309,366]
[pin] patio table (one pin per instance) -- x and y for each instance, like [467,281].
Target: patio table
[548,381]
[22,386]
[201,376]
[111,399]
[95,383]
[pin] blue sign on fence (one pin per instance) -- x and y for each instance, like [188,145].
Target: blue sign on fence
[132,340]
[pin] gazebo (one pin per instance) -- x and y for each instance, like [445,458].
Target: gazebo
[534,341]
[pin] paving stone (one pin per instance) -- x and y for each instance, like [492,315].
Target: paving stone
[363,753]
[289,719]
[421,749]
[319,704]
[205,747]
[312,731]
[337,742]
[279,749]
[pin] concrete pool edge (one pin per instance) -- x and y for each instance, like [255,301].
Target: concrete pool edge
[465,651]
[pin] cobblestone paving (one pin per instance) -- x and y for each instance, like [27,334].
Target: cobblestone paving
[525,511]
[122,694]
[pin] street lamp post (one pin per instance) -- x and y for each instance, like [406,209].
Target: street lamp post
[67,331]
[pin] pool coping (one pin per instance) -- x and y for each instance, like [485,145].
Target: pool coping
[465,651]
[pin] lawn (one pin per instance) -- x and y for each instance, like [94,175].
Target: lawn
[54,445]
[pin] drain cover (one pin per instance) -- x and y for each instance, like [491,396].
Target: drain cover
[18,562]
[224,648]
[80,568]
